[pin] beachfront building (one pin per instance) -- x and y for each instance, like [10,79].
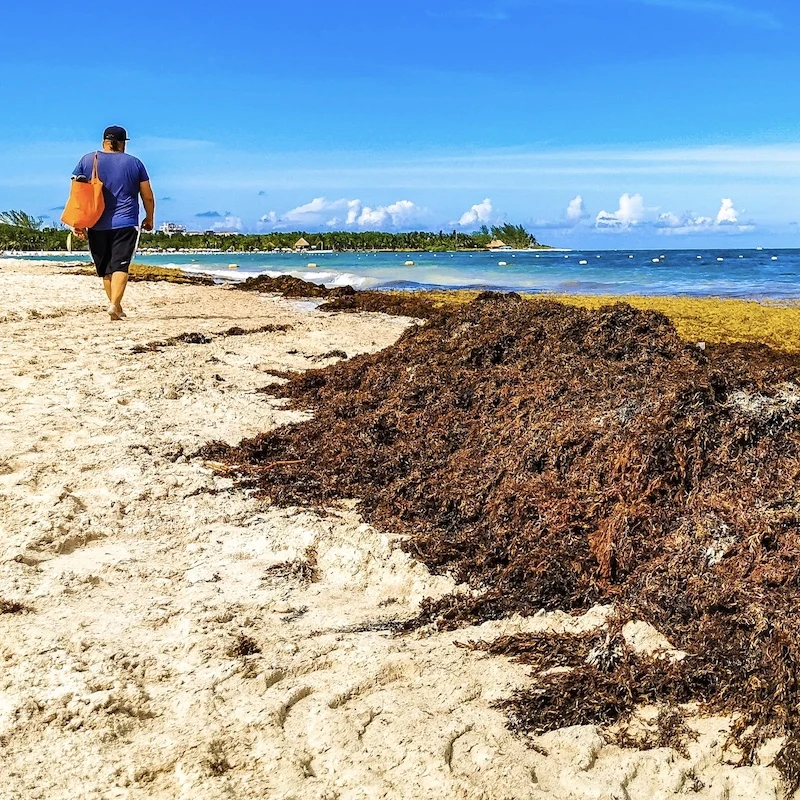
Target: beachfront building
[171,228]
[301,244]
[497,244]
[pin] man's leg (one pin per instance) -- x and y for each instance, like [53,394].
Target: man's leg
[123,245]
[98,247]
[119,280]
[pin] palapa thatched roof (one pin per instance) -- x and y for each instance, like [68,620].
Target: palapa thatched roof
[496,243]
[301,243]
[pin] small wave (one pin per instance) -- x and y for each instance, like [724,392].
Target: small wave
[222,274]
[333,279]
[412,286]
[329,278]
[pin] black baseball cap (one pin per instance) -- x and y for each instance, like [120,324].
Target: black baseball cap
[114,133]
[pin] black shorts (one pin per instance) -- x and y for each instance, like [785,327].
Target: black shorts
[112,251]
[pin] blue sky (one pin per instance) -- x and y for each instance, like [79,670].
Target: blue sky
[619,123]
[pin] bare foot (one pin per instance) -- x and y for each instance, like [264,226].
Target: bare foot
[115,313]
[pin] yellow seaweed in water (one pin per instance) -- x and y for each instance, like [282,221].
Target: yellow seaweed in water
[697,319]
[711,319]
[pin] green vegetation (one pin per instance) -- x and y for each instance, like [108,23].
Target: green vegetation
[21,231]
[514,235]
[19,219]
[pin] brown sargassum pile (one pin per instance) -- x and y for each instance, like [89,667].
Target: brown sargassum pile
[194,337]
[289,286]
[345,298]
[553,457]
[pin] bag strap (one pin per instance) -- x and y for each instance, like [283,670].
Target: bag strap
[94,167]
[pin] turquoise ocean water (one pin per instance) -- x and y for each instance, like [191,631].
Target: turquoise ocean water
[721,273]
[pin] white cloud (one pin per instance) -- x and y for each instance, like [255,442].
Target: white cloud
[727,214]
[668,220]
[480,213]
[576,211]
[229,223]
[574,214]
[633,214]
[631,209]
[630,213]
[688,220]
[318,207]
[726,221]
[353,212]
[670,224]
[321,212]
[396,215]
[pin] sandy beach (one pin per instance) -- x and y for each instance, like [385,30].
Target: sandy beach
[166,635]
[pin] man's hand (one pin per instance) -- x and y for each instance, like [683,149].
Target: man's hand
[147,224]
[80,232]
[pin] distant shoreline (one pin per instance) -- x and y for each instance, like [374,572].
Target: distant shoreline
[204,251]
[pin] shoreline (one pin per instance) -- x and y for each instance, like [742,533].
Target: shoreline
[25,254]
[205,251]
[167,642]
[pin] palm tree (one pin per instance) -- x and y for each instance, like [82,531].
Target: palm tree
[20,219]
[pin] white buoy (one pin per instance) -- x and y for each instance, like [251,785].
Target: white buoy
[583,262]
[502,263]
[720,259]
[656,260]
[630,256]
[741,256]
[774,258]
[311,265]
[233,266]
[409,263]
[700,257]
[759,248]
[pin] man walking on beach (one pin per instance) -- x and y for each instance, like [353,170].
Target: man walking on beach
[115,236]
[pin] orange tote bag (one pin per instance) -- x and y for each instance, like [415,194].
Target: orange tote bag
[85,205]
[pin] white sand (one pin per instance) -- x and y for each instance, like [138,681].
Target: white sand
[118,683]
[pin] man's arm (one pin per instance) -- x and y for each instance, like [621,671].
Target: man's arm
[149,203]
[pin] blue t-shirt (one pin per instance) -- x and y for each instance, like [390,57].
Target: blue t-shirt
[121,175]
